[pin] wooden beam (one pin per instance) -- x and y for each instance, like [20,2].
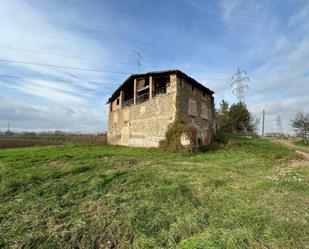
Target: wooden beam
[121,99]
[150,87]
[135,91]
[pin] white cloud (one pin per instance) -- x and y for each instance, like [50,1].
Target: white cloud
[246,17]
[275,55]
[67,99]
[52,91]
[279,82]
[31,28]
[300,20]
[42,118]
[282,79]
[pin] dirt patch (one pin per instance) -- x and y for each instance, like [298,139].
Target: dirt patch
[301,160]
[304,154]
[284,175]
[125,164]
[130,163]
[278,176]
[298,163]
[54,164]
[299,150]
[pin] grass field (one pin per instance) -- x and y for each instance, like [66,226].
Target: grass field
[253,195]
[18,141]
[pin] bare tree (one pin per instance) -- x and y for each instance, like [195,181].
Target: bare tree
[301,124]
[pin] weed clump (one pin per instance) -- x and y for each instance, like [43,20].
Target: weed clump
[223,137]
[180,136]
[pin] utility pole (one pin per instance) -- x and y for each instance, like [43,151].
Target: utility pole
[239,80]
[263,120]
[279,125]
[8,127]
[138,59]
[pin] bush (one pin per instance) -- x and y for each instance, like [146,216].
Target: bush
[175,131]
[222,140]
[223,137]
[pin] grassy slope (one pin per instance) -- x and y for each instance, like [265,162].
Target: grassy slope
[102,196]
[302,143]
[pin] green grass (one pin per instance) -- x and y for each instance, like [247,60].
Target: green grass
[114,197]
[304,143]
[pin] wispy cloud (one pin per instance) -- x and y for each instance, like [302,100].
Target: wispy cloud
[281,79]
[50,90]
[32,28]
[42,118]
[207,39]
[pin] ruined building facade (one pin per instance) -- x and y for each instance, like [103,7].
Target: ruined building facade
[141,109]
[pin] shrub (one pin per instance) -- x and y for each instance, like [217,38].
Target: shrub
[175,131]
[223,137]
[222,140]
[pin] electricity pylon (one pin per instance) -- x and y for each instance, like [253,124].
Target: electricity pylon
[239,84]
[138,59]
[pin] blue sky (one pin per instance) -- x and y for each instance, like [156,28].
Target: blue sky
[206,39]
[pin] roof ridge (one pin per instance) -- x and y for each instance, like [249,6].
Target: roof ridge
[177,71]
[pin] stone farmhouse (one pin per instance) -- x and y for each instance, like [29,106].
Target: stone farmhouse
[141,109]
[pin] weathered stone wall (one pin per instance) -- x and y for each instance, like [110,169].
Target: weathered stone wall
[144,124]
[196,107]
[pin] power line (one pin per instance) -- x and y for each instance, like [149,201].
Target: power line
[62,81]
[109,83]
[31,88]
[40,34]
[97,59]
[106,71]
[239,81]
[64,55]
[64,67]
[51,80]
[73,68]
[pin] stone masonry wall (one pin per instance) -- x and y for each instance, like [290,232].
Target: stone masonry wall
[197,107]
[144,124]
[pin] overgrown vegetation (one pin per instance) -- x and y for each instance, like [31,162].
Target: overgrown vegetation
[304,143]
[175,132]
[114,197]
[235,118]
[222,137]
